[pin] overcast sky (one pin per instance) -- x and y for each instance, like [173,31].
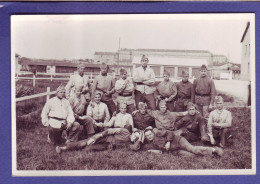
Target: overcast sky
[78,37]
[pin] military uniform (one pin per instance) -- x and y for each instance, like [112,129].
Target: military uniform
[184,96]
[167,89]
[205,92]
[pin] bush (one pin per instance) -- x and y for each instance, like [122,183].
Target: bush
[22,90]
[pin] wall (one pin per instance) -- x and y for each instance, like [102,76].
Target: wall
[245,63]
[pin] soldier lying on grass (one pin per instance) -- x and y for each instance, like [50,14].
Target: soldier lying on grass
[165,140]
[122,125]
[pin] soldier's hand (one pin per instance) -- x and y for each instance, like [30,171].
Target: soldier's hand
[134,112]
[167,145]
[69,125]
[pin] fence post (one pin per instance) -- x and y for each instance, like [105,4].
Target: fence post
[48,93]
[51,77]
[33,80]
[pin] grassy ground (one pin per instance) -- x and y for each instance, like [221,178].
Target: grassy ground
[34,153]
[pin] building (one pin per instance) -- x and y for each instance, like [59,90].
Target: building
[174,66]
[245,62]
[219,60]
[226,71]
[106,57]
[62,66]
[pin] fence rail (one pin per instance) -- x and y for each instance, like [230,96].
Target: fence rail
[47,94]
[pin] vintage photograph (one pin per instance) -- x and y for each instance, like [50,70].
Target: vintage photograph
[146,94]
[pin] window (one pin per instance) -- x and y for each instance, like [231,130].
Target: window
[171,70]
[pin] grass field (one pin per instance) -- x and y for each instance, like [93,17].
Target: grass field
[34,153]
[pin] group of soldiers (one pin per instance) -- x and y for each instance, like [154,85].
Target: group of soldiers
[162,117]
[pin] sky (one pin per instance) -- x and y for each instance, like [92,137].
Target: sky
[80,36]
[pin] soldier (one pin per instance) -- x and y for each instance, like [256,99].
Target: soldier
[192,126]
[144,78]
[164,140]
[105,85]
[57,115]
[185,93]
[219,123]
[205,91]
[78,79]
[167,91]
[78,104]
[125,90]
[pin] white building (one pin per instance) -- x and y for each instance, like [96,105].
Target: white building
[245,63]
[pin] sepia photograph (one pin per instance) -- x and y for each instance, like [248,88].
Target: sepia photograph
[133,94]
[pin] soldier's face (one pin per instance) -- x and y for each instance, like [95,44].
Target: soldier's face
[185,78]
[97,98]
[166,77]
[192,111]
[144,63]
[124,76]
[81,71]
[123,109]
[219,105]
[203,73]
[163,108]
[61,94]
[87,97]
[78,92]
[149,135]
[142,111]
[103,71]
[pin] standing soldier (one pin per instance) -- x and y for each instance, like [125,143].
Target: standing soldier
[185,93]
[105,85]
[125,88]
[205,92]
[78,79]
[144,78]
[167,91]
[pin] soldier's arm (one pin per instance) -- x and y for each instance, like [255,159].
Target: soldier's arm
[136,77]
[68,87]
[228,121]
[119,87]
[151,80]
[107,118]
[94,87]
[45,112]
[212,92]
[192,94]
[174,89]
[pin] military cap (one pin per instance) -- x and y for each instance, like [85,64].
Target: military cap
[203,67]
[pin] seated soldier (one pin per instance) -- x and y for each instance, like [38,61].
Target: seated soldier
[57,115]
[121,120]
[141,118]
[125,88]
[192,126]
[164,140]
[99,112]
[122,125]
[78,104]
[164,119]
[219,123]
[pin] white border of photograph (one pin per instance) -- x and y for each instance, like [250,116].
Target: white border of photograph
[233,16]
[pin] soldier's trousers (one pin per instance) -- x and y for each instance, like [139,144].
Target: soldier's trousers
[111,135]
[197,150]
[56,133]
[149,99]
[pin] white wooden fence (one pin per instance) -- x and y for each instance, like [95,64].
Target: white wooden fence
[47,94]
